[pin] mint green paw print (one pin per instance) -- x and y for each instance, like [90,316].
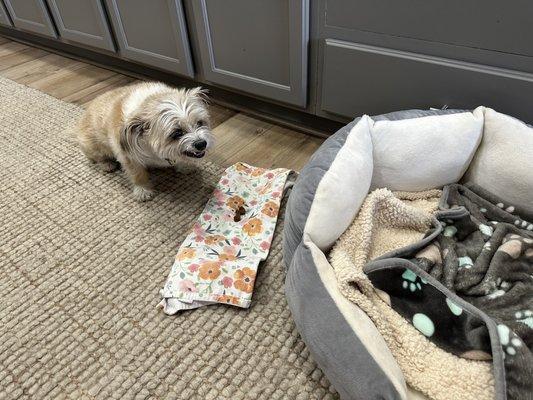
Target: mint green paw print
[525,317]
[486,230]
[450,231]
[409,281]
[465,262]
[424,324]
[508,339]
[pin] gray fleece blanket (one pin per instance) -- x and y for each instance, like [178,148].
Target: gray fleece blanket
[468,285]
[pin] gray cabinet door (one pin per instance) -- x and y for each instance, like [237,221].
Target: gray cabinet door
[359,79]
[483,24]
[257,46]
[82,21]
[152,32]
[4,18]
[31,15]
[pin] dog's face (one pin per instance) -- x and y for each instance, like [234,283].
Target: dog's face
[170,126]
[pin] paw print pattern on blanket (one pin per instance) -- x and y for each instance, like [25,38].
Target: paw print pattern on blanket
[465,262]
[514,245]
[518,222]
[509,340]
[450,231]
[500,289]
[525,317]
[410,281]
[424,324]
[454,308]
[486,230]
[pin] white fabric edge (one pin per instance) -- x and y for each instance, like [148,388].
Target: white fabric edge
[383,174]
[332,210]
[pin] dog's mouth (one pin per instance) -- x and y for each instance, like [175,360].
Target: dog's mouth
[195,154]
[190,154]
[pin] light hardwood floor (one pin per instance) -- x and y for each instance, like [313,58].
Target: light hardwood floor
[240,137]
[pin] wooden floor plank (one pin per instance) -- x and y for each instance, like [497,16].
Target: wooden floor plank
[219,114]
[11,48]
[40,68]
[239,137]
[84,96]
[21,57]
[270,147]
[237,132]
[70,80]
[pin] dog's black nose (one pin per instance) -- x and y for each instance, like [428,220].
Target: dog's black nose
[200,145]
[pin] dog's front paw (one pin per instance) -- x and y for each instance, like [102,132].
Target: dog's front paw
[143,194]
[109,166]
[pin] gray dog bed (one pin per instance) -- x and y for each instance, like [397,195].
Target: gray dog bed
[411,150]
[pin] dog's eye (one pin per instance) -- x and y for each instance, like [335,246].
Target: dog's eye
[177,134]
[200,123]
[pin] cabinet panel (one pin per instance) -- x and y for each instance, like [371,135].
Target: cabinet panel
[82,21]
[4,18]
[152,32]
[485,24]
[31,15]
[256,46]
[359,79]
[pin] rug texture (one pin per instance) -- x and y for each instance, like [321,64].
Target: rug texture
[81,264]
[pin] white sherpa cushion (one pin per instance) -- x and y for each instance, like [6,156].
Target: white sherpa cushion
[424,153]
[343,188]
[504,162]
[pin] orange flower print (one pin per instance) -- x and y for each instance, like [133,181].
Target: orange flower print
[210,240]
[224,298]
[258,171]
[271,209]
[209,270]
[244,279]
[235,202]
[253,227]
[241,167]
[227,257]
[229,253]
[185,254]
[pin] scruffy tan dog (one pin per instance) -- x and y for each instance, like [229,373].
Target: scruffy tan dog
[145,125]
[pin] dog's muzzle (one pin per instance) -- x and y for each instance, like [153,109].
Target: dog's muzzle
[199,149]
[195,154]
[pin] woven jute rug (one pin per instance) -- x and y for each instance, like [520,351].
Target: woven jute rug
[81,264]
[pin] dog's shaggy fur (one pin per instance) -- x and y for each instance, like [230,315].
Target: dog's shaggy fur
[145,125]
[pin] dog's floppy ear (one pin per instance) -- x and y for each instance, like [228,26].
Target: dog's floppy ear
[131,132]
[199,93]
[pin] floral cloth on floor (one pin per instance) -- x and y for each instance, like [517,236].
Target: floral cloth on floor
[217,262]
